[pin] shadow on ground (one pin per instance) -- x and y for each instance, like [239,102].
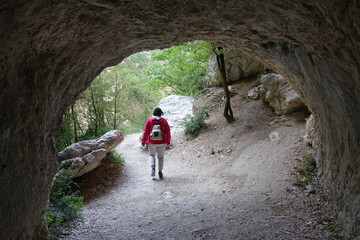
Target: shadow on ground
[101,180]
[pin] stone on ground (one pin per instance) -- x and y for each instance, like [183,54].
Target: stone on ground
[83,157]
[280,95]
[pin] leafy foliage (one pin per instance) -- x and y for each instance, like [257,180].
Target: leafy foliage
[117,99]
[116,157]
[123,96]
[181,68]
[193,124]
[65,136]
[65,204]
[305,171]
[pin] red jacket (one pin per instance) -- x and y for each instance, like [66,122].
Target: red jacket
[165,129]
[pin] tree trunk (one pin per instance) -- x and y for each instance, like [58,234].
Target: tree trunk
[228,113]
[75,123]
[95,112]
[115,99]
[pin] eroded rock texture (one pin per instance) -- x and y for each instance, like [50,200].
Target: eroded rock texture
[51,50]
[280,95]
[176,108]
[84,156]
[238,67]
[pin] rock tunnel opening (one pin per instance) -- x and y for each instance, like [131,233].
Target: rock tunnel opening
[52,52]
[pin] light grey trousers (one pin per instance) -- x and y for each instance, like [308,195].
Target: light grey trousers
[159,150]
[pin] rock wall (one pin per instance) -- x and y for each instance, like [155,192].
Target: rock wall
[51,50]
[238,67]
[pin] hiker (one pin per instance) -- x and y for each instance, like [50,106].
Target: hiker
[157,136]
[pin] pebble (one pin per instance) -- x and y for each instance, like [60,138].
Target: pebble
[274,136]
[168,194]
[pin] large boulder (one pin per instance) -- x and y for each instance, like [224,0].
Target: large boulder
[279,94]
[78,149]
[109,140]
[92,161]
[176,108]
[83,157]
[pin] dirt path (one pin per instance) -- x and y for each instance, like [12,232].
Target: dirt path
[232,182]
[242,197]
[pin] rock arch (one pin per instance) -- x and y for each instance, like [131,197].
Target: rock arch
[52,50]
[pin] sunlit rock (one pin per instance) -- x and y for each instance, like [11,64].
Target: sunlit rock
[83,157]
[176,108]
[280,95]
[238,67]
[253,93]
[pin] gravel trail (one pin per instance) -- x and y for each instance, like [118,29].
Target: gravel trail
[233,181]
[236,195]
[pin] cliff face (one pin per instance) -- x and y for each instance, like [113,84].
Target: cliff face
[238,67]
[52,50]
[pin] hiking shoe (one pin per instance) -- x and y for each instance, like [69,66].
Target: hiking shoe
[161,176]
[153,172]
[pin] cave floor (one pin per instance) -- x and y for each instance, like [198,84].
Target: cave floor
[233,181]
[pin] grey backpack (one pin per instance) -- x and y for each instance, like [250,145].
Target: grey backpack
[156,133]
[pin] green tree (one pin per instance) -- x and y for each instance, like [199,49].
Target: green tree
[65,136]
[96,102]
[180,69]
[123,96]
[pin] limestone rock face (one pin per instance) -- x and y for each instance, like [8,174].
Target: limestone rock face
[74,164]
[253,93]
[109,140]
[83,157]
[213,78]
[51,51]
[78,149]
[175,109]
[92,161]
[280,95]
[238,66]
[310,131]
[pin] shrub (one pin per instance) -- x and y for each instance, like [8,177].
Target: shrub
[194,123]
[65,204]
[116,157]
[93,132]
[305,171]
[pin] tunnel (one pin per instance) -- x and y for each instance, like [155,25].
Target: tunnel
[52,50]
